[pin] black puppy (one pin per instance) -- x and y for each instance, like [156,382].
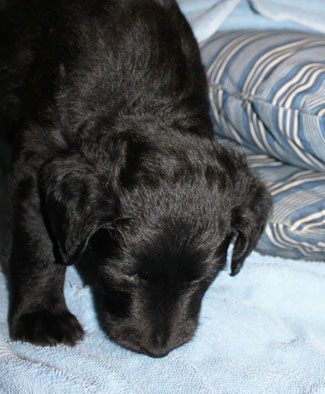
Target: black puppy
[116,166]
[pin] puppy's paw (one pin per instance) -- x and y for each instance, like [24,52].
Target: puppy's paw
[48,328]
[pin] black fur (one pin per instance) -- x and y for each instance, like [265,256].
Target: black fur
[116,169]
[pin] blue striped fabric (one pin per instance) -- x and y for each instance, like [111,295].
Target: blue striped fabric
[267,92]
[297,226]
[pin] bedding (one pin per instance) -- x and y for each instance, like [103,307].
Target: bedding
[307,14]
[262,331]
[208,16]
[267,94]
[296,228]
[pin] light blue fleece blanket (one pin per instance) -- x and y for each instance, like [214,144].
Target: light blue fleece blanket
[262,331]
[208,16]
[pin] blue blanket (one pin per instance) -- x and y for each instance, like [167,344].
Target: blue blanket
[260,332]
[208,16]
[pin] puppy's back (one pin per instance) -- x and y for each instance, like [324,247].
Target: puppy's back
[99,58]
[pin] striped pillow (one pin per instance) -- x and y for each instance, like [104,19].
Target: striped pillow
[297,227]
[267,92]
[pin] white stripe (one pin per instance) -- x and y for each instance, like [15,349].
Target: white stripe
[305,156]
[298,223]
[226,55]
[269,54]
[304,247]
[302,75]
[297,174]
[274,241]
[218,112]
[215,64]
[296,183]
[282,240]
[315,99]
[278,59]
[287,126]
[315,72]
[263,164]
[291,204]
[311,226]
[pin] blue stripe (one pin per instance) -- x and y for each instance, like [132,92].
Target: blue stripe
[252,62]
[312,89]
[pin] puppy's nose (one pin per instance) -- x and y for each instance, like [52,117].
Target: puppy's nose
[156,353]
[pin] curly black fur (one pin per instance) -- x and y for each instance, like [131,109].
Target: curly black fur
[116,169]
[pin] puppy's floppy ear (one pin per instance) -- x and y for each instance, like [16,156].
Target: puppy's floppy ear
[249,218]
[74,206]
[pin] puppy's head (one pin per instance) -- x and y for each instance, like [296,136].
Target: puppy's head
[154,231]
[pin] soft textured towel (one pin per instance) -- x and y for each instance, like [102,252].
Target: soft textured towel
[262,331]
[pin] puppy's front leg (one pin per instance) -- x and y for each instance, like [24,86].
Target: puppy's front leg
[38,312]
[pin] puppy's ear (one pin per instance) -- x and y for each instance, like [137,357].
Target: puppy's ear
[249,218]
[73,206]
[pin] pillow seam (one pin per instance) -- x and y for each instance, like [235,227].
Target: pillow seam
[241,96]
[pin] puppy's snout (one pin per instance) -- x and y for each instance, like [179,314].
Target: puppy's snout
[154,352]
[157,346]
[160,345]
